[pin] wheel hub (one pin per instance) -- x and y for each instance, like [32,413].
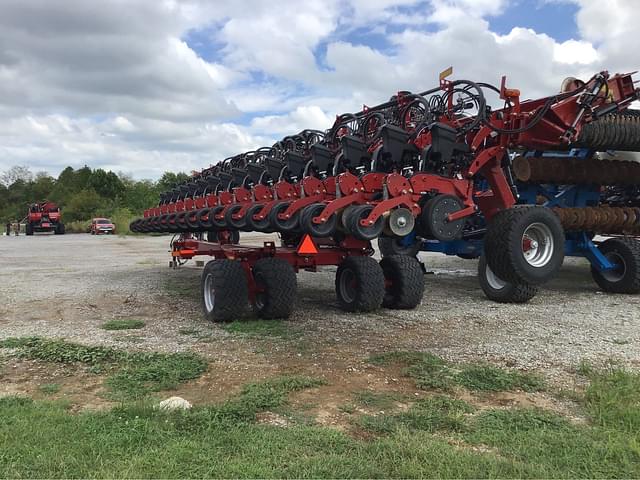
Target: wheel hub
[537,244]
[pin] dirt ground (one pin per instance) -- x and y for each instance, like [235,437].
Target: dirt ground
[68,286]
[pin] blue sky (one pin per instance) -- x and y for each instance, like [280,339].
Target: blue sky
[179,85]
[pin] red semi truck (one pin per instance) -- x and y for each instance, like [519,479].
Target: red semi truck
[44,217]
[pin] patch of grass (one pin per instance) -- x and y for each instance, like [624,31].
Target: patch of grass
[259,328]
[49,388]
[128,324]
[189,331]
[613,400]
[431,372]
[438,437]
[493,379]
[131,375]
[379,400]
[432,414]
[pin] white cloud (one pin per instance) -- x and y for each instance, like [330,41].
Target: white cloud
[115,84]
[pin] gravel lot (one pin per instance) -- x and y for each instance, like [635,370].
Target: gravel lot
[67,286]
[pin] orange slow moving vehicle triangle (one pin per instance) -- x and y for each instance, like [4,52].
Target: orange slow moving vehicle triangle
[307,247]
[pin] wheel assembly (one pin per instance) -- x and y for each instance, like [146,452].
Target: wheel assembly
[224,290]
[276,288]
[525,244]
[404,282]
[325,229]
[501,291]
[624,254]
[360,284]
[357,229]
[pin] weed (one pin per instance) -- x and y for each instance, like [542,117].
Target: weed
[431,372]
[49,388]
[438,413]
[132,375]
[379,400]
[129,324]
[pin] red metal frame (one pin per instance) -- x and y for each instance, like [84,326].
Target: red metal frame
[328,253]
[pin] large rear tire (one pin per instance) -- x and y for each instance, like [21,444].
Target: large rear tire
[224,290]
[29,229]
[525,244]
[359,284]
[625,254]
[404,286]
[500,291]
[277,281]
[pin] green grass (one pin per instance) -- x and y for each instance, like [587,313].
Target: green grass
[129,324]
[432,414]
[49,388]
[433,373]
[439,436]
[379,400]
[131,375]
[259,328]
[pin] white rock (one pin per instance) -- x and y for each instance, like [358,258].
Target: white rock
[175,403]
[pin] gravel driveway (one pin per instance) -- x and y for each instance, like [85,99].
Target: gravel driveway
[67,286]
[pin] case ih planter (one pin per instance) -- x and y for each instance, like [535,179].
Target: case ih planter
[443,167]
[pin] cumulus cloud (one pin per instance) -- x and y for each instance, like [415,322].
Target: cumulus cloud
[118,84]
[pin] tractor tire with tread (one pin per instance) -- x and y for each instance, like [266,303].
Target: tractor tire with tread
[405,282]
[224,290]
[504,250]
[389,246]
[500,291]
[359,284]
[625,252]
[278,280]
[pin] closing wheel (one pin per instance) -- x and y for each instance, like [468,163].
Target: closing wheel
[318,230]
[257,225]
[277,287]
[224,290]
[624,253]
[217,223]
[362,232]
[398,246]
[236,223]
[359,284]
[500,291]
[525,244]
[283,225]
[404,282]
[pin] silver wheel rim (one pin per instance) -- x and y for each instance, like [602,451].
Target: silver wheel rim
[209,293]
[615,274]
[537,244]
[347,290]
[493,280]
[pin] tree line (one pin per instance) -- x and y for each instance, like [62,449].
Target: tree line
[82,194]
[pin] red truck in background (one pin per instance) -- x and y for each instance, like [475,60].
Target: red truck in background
[44,217]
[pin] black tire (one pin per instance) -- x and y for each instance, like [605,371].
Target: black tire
[237,224]
[624,252]
[257,225]
[279,225]
[212,236]
[277,280]
[223,290]
[357,230]
[28,229]
[503,244]
[433,218]
[359,284]
[202,223]
[404,282]
[389,246]
[500,291]
[219,224]
[59,230]
[318,230]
